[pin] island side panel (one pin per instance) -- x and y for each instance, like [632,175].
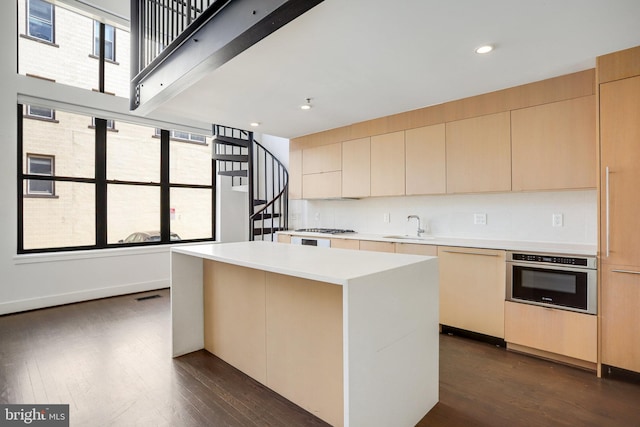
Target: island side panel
[234,316]
[304,344]
[187,332]
[391,334]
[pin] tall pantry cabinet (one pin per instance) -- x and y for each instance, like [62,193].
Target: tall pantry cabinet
[619,91]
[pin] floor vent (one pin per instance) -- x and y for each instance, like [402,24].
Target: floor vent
[148,297]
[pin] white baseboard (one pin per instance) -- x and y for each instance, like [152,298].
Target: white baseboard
[71,297]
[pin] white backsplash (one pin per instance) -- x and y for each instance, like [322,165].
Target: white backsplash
[510,216]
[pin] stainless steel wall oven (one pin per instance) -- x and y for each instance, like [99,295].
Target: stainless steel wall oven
[561,281]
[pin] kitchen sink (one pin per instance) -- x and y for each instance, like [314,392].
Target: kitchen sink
[408,237]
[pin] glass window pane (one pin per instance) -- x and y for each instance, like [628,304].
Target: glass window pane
[132,209]
[41,9]
[133,154]
[42,112]
[190,163]
[116,75]
[40,165]
[69,140]
[63,221]
[191,213]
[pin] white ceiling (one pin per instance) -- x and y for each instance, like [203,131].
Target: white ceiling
[363,59]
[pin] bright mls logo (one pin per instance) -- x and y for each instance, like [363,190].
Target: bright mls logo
[34,415]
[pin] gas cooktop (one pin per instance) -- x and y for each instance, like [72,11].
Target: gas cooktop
[324,230]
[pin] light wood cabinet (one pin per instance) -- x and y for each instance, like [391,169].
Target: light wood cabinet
[416,249]
[387,164]
[295,174]
[345,244]
[325,158]
[284,238]
[558,332]
[472,289]
[554,145]
[356,168]
[620,174]
[478,154]
[370,245]
[322,185]
[620,308]
[321,172]
[425,160]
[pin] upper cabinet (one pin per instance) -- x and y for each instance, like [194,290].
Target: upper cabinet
[356,168]
[478,154]
[425,160]
[322,172]
[554,145]
[387,164]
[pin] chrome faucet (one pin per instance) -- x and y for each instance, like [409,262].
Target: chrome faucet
[420,229]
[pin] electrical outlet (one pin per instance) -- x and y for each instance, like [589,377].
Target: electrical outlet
[556,220]
[386,218]
[480,218]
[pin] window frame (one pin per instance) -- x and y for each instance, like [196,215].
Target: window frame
[189,139]
[52,23]
[29,113]
[96,41]
[52,160]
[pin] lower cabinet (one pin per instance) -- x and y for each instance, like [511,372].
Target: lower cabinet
[548,332]
[620,317]
[472,289]
[345,244]
[371,245]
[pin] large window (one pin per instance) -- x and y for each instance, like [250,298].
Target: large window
[40,20]
[87,187]
[109,41]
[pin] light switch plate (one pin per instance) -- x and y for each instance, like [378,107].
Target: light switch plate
[386,218]
[480,218]
[557,220]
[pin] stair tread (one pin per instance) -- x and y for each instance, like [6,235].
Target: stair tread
[238,172]
[243,158]
[259,217]
[228,140]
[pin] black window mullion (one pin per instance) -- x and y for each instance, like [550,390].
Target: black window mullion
[101,57]
[20,183]
[165,188]
[101,182]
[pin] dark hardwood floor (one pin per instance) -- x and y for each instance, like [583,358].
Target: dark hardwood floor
[110,361]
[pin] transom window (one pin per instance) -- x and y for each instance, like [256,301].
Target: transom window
[109,41]
[40,165]
[40,112]
[40,20]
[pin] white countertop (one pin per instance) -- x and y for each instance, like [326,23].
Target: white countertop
[335,266]
[509,245]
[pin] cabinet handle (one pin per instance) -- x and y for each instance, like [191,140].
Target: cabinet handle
[625,271]
[607,210]
[469,253]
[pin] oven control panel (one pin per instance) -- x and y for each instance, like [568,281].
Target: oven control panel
[550,259]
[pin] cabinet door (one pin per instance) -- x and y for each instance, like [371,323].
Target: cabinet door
[370,245]
[295,174]
[472,289]
[387,164]
[322,185]
[620,318]
[284,238]
[553,145]
[561,332]
[325,158]
[620,174]
[425,160]
[356,168]
[479,154]
[416,249]
[345,244]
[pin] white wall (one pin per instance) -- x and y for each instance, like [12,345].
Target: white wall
[510,216]
[34,281]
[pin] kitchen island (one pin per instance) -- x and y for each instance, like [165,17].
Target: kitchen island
[350,336]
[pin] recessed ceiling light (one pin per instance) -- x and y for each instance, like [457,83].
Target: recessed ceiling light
[306,106]
[484,49]
[254,124]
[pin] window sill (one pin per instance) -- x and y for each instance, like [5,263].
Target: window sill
[41,196]
[41,119]
[88,254]
[107,60]
[108,129]
[35,39]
